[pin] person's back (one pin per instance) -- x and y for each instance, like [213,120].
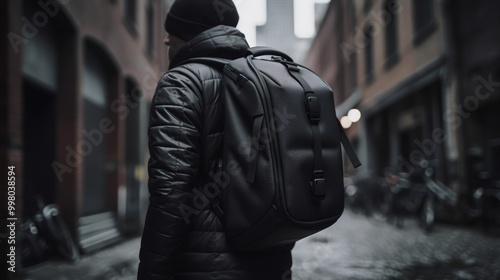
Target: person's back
[183,238]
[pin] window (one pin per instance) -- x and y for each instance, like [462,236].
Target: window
[424,19]
[391,34]
[130,16]
[150,28]
[369,31]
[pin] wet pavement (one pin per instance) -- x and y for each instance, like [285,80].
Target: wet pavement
[361,248]
[118,262]
[355,248]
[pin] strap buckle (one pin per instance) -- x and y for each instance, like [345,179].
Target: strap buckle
[291,67]
[318,185]
[313,108]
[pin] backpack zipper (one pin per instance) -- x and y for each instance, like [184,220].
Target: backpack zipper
[275,158]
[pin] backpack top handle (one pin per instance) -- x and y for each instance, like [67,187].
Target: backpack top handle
[259,51]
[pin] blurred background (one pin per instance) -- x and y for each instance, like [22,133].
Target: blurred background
[416,84]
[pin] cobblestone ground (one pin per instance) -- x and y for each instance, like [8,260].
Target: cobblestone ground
[360,248]
[355,248]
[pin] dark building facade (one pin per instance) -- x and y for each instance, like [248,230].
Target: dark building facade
[475,45]
[424,75]
[76,82]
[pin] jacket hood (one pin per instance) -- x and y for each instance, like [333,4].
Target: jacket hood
[221,42]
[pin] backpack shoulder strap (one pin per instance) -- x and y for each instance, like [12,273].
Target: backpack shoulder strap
[217,63]
[260,50]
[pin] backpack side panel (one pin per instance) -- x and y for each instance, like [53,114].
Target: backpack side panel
[295,144]
[244,203]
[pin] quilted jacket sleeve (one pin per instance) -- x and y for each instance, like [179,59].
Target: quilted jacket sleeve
[174,142]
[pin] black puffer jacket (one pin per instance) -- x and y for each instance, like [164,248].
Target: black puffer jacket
[185,137]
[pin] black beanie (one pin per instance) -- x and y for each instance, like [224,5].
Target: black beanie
[188,18]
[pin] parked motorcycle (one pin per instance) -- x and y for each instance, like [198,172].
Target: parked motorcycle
[405,197]
[484,206]
[441,194]
[417,193]
[45,235]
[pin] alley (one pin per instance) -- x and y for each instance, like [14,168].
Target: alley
[356,248]
[414,84]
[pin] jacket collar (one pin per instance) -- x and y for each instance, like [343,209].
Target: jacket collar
[221,42]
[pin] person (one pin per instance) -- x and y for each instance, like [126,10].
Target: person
[185,138]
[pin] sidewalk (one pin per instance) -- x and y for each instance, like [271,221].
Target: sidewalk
[355,248]
[118,262]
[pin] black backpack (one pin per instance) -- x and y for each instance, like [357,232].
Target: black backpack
[282,173]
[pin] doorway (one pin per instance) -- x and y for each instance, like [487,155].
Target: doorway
[39,130]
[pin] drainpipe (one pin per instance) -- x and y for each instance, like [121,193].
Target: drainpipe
[451,90]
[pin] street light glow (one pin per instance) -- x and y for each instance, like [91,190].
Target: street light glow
[345,122]
[354,115]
